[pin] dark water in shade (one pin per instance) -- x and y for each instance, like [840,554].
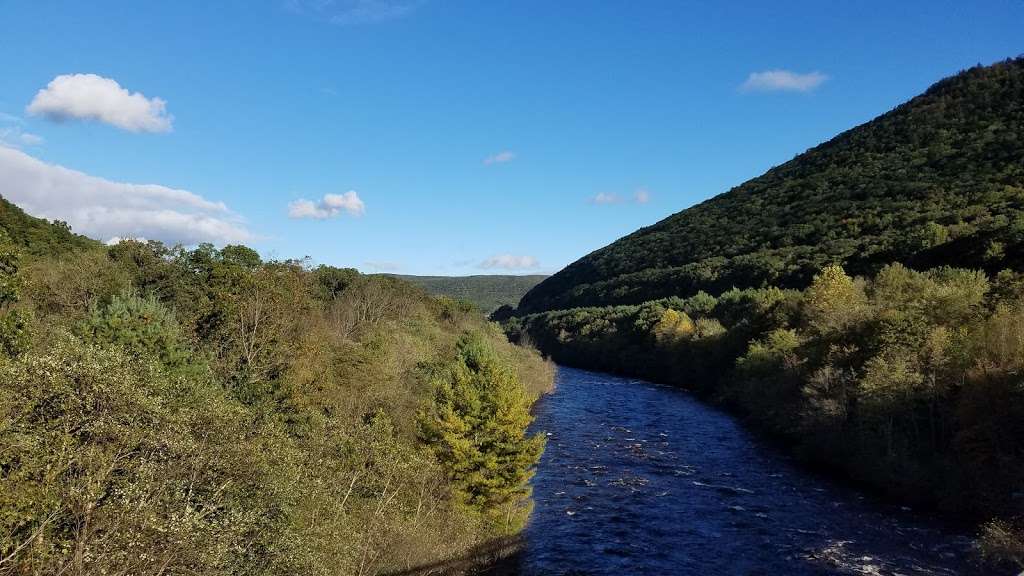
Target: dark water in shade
[644,479]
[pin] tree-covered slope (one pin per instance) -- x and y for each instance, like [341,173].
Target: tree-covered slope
[486,291]
[36,235]
[938,180]
[175,411]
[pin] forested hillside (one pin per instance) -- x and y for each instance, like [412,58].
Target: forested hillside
[938,180]
[863,303]
[175,411]
[488,292]
[37,236]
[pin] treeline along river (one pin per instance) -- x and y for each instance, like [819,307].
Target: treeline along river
[640,478]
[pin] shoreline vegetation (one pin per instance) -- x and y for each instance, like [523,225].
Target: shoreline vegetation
[165,410]
[863,303]
[907,382]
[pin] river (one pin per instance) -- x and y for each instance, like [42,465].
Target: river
[639,478]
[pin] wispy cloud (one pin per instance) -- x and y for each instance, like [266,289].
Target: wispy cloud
[605,198]
[13,134]
[502,157]
[92,97]
[105,209]
[639,196]
[355,11]
[782,81]
[30,139]
[330,206]
[509,262]
[11,118]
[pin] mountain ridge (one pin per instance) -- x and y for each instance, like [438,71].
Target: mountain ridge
[934,180]
[487,292]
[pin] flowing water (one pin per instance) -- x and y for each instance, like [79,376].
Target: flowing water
[644,479]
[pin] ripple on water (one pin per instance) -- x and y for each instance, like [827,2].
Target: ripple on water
[643,479]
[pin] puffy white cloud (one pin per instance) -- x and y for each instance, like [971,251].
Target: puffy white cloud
[782,80]
[92,97]
[104,209]
[330,206]
[641,196]
[510,262]
[500,158]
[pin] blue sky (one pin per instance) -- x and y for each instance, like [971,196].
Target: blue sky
[475,137]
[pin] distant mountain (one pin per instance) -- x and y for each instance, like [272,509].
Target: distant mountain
[487,292]
[38,236]
[938,180]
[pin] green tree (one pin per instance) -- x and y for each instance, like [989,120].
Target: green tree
[237,255]
[476,427]
[143,326]
[13,326]
[771,354]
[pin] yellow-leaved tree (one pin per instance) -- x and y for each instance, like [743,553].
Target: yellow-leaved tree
[834,301]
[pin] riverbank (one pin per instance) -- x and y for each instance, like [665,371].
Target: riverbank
[905,383]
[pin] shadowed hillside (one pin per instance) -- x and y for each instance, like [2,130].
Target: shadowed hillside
[487,292]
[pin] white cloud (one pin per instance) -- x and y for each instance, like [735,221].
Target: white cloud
[605,198]
[104,209]
[30,139]
[15,137]
[14,134]
[510,262]
[782,80]
[330,206]
[500,158]
[92,97]
[639,196]
[355,11]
